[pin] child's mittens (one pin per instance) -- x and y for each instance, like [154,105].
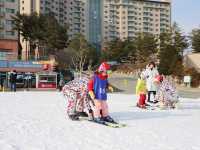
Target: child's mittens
[91,93]
[110,88]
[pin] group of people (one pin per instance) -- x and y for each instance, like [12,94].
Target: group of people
[149,83]
[87,96]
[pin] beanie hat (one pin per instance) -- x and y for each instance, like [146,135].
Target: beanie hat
[104,67]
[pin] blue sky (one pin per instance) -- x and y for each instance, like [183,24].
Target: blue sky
[186,13]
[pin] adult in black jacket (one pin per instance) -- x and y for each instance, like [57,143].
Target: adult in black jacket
[13,78]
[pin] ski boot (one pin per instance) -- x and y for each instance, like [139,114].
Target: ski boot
[82,114]
[155,102]
[98,120]
[108,119]
[141,106]
[74,117]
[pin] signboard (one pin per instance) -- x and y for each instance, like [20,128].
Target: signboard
[47,85]
[27,65]
[3,64]
[23,64]
[46,80]
[187,79]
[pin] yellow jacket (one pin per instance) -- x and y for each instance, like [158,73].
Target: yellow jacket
[141,87]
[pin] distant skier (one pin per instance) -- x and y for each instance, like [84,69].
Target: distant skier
[141,91]
[97,87]
[61,84]
[167,95]
[13,80]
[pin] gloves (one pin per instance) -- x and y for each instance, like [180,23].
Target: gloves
[91,93]
[111,88]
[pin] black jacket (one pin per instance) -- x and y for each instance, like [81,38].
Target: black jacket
[13,77]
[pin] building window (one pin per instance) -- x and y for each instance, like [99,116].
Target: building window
[10,33]
[3,55]
[9,22]
[8,10]
[12,1]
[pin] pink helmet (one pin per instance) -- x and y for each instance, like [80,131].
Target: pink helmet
[104,67]
[159,78]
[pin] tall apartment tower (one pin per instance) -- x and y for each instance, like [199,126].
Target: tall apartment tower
[8,37]
[8,8]
[56,7]
[95,23]
[124,18]
[77,20]
[72,13]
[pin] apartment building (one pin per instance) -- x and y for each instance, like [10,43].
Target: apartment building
[8,37]
[56,7]
[104,20]
[124,18]
[77,17]
[95,23]
[8,8]
[72,13]
[67,12]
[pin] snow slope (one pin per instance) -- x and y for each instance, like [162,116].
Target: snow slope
[37,121]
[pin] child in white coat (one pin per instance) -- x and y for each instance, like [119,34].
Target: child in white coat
[151,72]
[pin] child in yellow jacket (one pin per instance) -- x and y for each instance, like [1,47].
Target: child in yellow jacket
[141,91]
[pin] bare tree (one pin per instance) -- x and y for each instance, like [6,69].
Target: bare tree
[81,52]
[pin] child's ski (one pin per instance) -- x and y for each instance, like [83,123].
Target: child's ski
[109,124]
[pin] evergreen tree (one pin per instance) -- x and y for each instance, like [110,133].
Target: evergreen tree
[118,50]
[146,45]
[196,40]
[172,45]
[41,31]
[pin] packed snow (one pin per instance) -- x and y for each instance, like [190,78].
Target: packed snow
[37,121]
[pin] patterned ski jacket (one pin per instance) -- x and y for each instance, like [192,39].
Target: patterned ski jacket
[167,92]
[76,94]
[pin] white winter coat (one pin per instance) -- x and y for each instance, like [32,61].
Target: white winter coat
[150,77]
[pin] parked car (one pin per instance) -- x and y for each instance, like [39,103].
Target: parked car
[22,80]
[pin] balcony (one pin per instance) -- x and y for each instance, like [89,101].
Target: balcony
[77,11]
[77,15]
[131,28]
[77,21]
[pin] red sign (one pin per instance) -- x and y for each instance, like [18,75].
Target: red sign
[47,85]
